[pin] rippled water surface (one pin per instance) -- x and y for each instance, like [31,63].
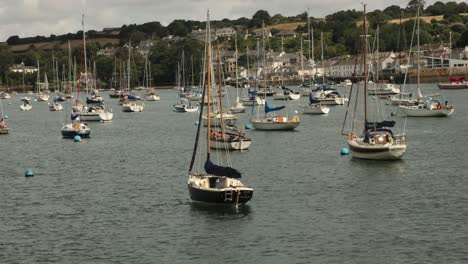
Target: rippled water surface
[121,196]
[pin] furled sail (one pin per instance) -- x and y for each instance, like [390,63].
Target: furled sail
[385,123]
[269,108]
[217,170]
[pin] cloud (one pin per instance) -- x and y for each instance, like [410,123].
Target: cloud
[28,18]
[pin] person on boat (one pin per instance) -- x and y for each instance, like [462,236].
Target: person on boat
[446,104]
[3,124]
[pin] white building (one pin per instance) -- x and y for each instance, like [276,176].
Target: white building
[109,52]
[21,68]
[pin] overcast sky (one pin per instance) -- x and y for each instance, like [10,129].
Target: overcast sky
[28,18]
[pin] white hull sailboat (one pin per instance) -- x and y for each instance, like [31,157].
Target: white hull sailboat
[133,107]
[378,142]
[376,151]
[55,107]
[423,111]
[275,123]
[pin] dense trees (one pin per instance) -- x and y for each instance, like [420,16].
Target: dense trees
[342,32]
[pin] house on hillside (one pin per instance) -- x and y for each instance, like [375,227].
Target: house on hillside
[145,46]
[226,32]
[21,68]
[108,52]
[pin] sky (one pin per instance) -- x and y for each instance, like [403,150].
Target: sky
[29,18]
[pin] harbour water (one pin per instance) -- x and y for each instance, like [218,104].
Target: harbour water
[121,196]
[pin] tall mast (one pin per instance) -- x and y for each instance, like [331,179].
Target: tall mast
[128,64]
[264,57]
[450,52]
[366,77]
[248,67]
[208,85]
[377,55]
[84,51]
[302,63]
[219,88]
[418,50]
[237,77]
[323,63]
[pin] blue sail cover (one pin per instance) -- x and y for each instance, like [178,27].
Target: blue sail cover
[74,116]
[217,170]
[269,108]
[313,100]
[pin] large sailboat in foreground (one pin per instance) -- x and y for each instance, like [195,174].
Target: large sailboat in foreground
[217,184]
[377,141]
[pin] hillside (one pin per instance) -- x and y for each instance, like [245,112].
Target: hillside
[426,19]
[50,45]
[285,26]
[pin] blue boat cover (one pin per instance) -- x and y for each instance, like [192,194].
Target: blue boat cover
[269,108]
[217,170]
[313,100]
[74,116]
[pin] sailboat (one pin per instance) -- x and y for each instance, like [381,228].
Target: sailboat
[315,107]
[150,94]
[377,142]
[227,137]
[272,122]
[25,106]
[41,96]
[75,127]
[455,82]
[217,184]
[238,107]
[427,106]
[131,106]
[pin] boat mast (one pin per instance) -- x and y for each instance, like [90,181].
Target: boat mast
[323,63]
[264,59]
[311,39]
[128,65]
[418,50]
[219,89]
[366,69]
[450,53]
[208,86]
[84,51]
[237,77]
[302,64]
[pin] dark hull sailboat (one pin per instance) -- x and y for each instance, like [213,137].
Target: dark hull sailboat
[218,184]
[213,189]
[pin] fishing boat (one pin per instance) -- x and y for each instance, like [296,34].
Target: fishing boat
[377,142]
[216,184]
[427,106]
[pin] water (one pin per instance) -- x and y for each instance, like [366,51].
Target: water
[121,196]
